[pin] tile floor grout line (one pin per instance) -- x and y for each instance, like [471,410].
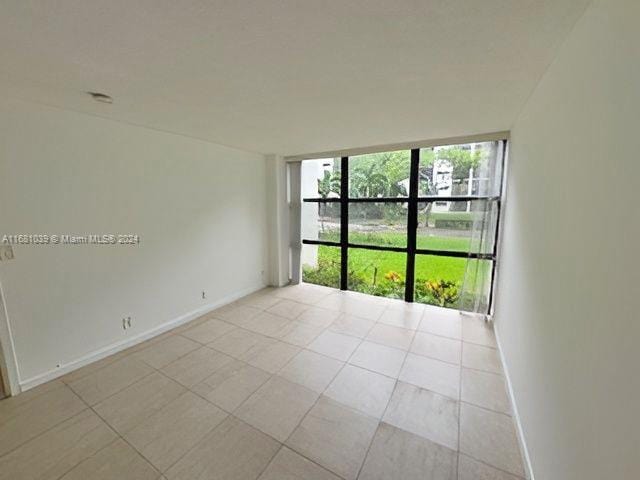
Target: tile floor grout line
[97,370]
[139,423]
[94,454]
[439,335]
[116,392]
[36,396]
[486,409]
[479,344]
[271,375]
[282,446]
[395,385]
[120,437]
[44,431]
[121,352]
[436,359]
[482,371]
[181,333]
[196,444]
[345,363]
[381,420]
[87,408]
[175,359]
[483,462]
[189,389]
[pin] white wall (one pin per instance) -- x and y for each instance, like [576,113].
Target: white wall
[199,208]
[569,280]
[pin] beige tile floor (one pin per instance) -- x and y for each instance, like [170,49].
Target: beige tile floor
[302,382]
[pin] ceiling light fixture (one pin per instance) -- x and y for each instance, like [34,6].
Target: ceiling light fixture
[101,97]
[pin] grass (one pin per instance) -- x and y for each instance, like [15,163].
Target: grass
[438,278]
[369,267]
[427,266]
[396,239]
[377,272]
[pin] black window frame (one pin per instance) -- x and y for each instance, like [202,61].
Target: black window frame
[412,201]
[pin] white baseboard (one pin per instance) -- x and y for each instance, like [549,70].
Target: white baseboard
[122,345]
[516,415]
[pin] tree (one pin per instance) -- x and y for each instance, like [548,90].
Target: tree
[329,183]
[461,160]
[426,185]
[379,174]
[368,182]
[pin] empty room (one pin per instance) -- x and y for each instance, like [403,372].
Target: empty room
[319,240]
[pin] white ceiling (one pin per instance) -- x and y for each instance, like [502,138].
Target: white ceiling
[287,76]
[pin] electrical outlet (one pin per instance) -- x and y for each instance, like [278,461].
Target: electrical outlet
[124,323]
[204,294]
[128,322]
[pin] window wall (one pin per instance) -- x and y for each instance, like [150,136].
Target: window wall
[417,224]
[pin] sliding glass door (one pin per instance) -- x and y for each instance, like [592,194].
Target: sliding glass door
[419,224]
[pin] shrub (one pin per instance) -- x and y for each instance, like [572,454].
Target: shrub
[327,273]
[443,293]
[453,224]
[437,292]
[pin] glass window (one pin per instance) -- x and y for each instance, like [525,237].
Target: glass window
[468,230]
[438,280]
[452,282]
[446,223]
[320,178]
[383,224]
[454,170]
[321,265]
[377,272]
[321,221]
[476,286]
[379,175]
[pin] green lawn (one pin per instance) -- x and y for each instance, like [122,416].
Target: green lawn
[427,266]
[399,239]
[369,267]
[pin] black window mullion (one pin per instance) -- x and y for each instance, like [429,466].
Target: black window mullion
[412,225]
[344,222]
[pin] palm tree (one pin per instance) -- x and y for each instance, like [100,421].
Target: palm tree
[329,183]
[366,182]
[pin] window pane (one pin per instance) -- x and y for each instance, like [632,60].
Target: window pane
[468,230]
[476,287]
[321,265]
[320,178]
[379,175]
[378,224]
[452,282]
[377,273]
[469,169]
[321,221]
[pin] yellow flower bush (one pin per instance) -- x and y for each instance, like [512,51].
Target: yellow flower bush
[393,276]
